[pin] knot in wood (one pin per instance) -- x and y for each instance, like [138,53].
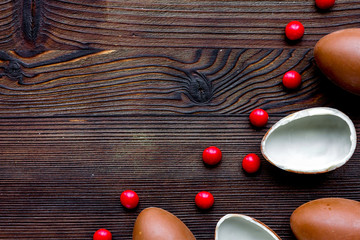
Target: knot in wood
[31,18]
[200,88]
[14,71]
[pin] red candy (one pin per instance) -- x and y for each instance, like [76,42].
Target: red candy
[212,155]
[251,163]
[291,80]
[204,200]
[102,234]
[294,30]
[129,199]
[258,117]
[324,4]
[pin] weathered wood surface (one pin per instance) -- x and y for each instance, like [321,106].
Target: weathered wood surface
[47,24]
[61,177]
[101,96]
[151,81]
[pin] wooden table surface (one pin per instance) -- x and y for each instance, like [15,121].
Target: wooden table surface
[100,96]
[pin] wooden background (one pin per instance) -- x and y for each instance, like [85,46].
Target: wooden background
[97,97]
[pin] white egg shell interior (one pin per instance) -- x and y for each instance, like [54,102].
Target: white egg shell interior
[237,226]
[310,141]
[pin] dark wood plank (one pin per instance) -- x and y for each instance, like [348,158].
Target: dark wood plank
[61,178]
[101,96]
[69,24]
[151,81]
[9,24]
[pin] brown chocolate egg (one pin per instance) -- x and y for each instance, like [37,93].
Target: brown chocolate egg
[327,219]
[338,57]
[158,224]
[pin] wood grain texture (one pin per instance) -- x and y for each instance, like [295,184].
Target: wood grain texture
[101,96]
[113,24]
[61,178]
[149,81]
[9,24]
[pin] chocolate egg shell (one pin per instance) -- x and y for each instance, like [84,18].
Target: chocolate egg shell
[158,224]
[239,226]
[327,219]
[310,141]
[338,57]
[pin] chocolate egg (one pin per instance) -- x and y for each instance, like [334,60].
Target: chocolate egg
[327,219]
[239,226]
[338,57]
[158,224]
[310,141]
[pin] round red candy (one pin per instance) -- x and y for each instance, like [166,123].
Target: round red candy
[258,117]
[204,200]
[324,4]
[102,234]
[251,163]
[291,80]
[212,155]
[294,30]
[129,199]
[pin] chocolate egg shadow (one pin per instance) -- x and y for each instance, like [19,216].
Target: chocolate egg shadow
[336,96]
[299,181]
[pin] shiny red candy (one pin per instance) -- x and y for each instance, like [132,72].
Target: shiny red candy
[204,200]
[258,117]
[251,163]
[291,80]
[129,199]
[324,4]
[294,30]
[102,234]
[212,155]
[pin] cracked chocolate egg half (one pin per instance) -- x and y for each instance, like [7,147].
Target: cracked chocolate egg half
[238,226]
[310,141]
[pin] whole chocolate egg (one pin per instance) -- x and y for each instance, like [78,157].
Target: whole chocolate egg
[327,219]
[158,224]
[338,57]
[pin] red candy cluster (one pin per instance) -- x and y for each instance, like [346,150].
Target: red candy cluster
[291,80]
[324,4]
[102,234]
[204,200]
[259,117]
[294,30]
[251,163]
[129,199]
[212,155]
